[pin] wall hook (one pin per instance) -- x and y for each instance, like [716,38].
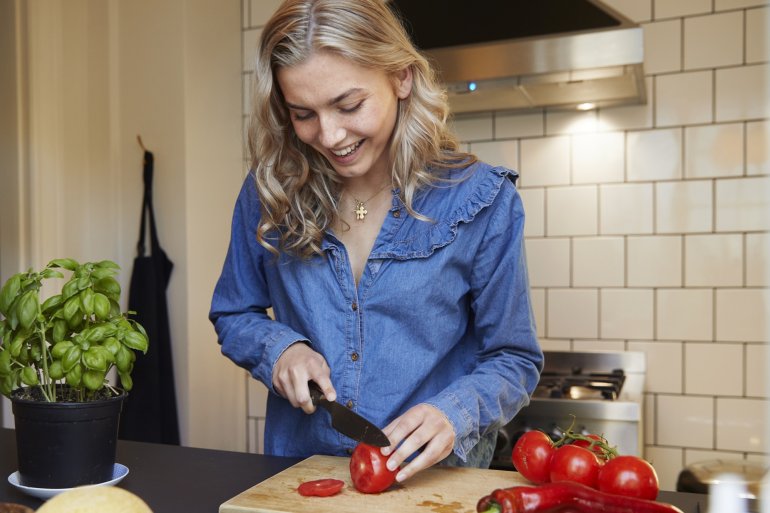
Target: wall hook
[139,140]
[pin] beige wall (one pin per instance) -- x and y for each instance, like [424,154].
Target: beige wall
[94,75]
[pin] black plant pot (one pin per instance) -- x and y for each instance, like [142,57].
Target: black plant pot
[65,444]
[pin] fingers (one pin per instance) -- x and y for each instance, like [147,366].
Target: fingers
[297,365]
[423,428]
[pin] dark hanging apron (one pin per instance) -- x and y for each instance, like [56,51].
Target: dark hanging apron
[149,413]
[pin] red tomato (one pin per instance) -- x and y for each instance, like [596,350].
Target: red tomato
[597,449]
[368,470]
[531,456]
[576,464]
[629,476]
[321,487]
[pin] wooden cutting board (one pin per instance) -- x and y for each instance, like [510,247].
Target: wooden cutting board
[434,490]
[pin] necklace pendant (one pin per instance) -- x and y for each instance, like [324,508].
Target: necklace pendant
[360,210]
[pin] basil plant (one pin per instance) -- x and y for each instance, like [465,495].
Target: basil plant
[65,346]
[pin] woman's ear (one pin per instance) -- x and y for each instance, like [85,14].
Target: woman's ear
[403,82]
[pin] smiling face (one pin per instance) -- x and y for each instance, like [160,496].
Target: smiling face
[344,111]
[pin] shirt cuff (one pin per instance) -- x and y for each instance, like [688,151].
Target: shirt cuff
[465,427]
[274,348]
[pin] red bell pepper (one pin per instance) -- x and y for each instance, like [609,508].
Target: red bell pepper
[566,496]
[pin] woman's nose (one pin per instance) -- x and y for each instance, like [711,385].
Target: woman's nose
[331,133]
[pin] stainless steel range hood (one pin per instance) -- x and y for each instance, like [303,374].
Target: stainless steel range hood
[529,54]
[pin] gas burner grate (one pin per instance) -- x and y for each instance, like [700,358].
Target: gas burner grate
[578,385]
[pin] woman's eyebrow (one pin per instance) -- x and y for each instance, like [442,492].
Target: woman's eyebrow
[333,101]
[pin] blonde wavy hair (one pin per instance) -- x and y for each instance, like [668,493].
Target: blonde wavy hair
[297,187]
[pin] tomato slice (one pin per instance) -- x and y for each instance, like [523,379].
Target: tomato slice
[321,487]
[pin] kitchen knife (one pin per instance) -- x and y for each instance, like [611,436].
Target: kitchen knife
[348,422]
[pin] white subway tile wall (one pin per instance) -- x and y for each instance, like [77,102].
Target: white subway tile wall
[626,208]
[663,46]
[756,35]
[647,226]
[703,50]
[684,98]
[654,155]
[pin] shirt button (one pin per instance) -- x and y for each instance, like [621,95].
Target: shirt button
[354,306]
[396,213]
[349,404]
[354,357]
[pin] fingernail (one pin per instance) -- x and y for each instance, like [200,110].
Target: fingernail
[385,451]
[400,476]
[391,465]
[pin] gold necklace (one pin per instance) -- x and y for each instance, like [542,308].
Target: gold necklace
[360,206]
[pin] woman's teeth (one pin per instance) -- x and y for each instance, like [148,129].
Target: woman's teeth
[344,152]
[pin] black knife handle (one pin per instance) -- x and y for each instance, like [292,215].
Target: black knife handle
[316,395]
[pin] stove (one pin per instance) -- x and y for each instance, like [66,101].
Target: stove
[601,391]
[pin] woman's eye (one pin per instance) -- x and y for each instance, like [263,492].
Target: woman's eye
[301,115]
[352,108]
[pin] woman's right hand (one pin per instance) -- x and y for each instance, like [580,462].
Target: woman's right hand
[297,365]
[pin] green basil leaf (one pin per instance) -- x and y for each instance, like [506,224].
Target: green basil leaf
[87,300]
[60,349]
[108,264]
[112,345]
[93,380]
[5,363]
[29,376]
[8,293]
[109,286]
[93,359]
[7,384]
[55,370]
[136,341]
[52,302]
[16,346]
[123,359]
[126,381]
[27,308]
[71,358]
[50,273]
[59,330]
[101,306]
[70,288]
[72,308]
[74,376]
[66,263]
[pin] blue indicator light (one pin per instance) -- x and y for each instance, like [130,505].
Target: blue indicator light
[472,86]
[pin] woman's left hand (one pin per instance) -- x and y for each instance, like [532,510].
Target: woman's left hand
[422,426]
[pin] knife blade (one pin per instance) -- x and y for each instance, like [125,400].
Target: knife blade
[348,422]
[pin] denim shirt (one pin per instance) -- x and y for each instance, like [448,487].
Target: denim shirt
[441,315]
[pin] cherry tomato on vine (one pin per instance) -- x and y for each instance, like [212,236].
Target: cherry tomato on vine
[532,455]
[368,470]
[576,464]
[597,448]
[629,476]
[321,487]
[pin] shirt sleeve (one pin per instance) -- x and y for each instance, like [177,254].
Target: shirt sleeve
[248,336]
[509,357]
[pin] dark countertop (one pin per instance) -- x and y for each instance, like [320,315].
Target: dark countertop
[173,479]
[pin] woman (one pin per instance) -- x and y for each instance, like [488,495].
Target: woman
[393,262]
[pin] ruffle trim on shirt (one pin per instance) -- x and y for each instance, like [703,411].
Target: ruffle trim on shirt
[482,189]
